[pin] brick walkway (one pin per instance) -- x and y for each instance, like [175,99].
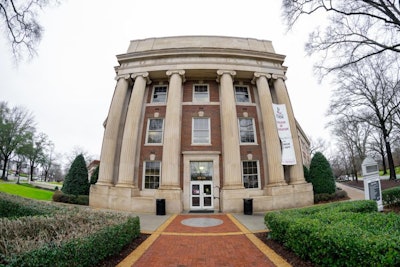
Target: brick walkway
[226,244]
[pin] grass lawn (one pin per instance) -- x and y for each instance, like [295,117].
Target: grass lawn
[26,190]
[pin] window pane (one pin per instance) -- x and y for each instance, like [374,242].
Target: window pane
[200,93]
[250,174]
[155,131]
[160,94]
[242,94]
[246,130]
[201,131]
[152,174]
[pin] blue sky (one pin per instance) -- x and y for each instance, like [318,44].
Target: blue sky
[69,85]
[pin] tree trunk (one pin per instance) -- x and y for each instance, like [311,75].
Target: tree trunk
[383,162]
[392,171]
[4,174]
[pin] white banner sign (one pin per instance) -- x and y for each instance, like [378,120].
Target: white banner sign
[282,123]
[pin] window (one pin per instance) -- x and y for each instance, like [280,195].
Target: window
[152,172]
[242,94]
[159,94]
[201,131]
[200,93]
[155,131]
[246,128]
[250,174]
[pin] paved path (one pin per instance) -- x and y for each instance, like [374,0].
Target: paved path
[353,193]
[204,240]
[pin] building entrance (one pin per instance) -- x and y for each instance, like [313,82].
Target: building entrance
[201,185]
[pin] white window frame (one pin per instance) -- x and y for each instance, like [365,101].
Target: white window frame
[154,90]
[254,131]
[236,94]
[148,130]
[201,100]
[144,175]
[258,174]
[209,131]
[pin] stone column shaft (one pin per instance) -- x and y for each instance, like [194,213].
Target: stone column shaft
[273,147]
[130,140]
[171,158]
[110,139]
[230,132]
[296,172]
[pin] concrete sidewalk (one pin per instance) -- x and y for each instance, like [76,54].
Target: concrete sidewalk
[254,223]
[353,193]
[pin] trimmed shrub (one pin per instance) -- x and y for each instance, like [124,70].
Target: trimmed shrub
[76,180]
[321,175]
[59,196]
[95,175]
[391,196]
[306,174]
[348,233]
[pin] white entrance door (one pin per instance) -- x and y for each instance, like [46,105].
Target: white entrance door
[201,195]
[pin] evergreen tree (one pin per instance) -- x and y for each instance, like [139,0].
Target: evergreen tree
[306,174]
[76,181]
[321,175]
[95,175]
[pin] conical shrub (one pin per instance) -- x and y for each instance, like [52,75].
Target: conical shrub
[321,175]
[76,181]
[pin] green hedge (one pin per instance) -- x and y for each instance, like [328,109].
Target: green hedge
[339,234]
[391,196]
[59,196]
[86,251]
[14,206]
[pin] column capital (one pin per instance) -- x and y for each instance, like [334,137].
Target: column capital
[179,72]
[257,75]
[232,73]
[145,75]
[123,76]
[278,76]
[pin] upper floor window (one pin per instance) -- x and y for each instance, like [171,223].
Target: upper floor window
[155,129]
[250,174]
[152,174]
[200,93]
[247,130]
[201,131]
[242,93]
[159,94]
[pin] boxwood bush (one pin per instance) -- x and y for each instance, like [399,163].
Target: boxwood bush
[53,234]
[391,196]
[349,233]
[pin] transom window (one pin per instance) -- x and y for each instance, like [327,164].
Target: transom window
[247,130]
[201,131]
[242,94]
[250,174]
[200,93]
[152,172]
[159,94]
[155,131]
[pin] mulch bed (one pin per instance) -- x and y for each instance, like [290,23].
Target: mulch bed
[281,250]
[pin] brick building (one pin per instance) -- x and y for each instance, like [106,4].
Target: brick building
[202,122]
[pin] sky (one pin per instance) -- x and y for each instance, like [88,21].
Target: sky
[69,85]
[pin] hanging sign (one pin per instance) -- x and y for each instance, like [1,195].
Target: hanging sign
[285,135]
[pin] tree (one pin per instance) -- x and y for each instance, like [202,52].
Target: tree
[21,26]
[370,92]
[48,160]
[16,127]
[321,175]
[35,151]
[357,30]
[95,175]
[76,181]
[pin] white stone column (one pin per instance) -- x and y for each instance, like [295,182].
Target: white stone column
[230,132]
[130,140]
[171,157]
[273,147]
[296,172]
[110,139]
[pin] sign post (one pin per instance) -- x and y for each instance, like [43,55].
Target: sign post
[372,182]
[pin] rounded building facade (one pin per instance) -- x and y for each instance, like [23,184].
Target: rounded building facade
[201,122]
